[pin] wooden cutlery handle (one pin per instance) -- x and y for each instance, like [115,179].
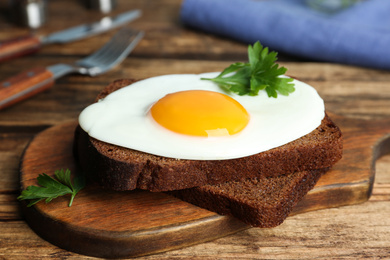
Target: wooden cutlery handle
[24,85]
[19,46]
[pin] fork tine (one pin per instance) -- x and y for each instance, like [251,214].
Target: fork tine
[121,39]
[117,44]
[111,53]
[113,50]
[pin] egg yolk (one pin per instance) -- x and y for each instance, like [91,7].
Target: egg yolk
[200,113]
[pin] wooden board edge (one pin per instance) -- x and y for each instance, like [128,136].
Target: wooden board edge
[104,245]
[330,197]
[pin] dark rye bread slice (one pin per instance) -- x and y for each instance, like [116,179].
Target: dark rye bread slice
[119,168]
[264,202]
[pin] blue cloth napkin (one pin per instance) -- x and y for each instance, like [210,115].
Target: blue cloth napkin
[358,35]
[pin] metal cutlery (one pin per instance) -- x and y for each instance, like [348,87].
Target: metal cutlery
[24,45]
[33,81]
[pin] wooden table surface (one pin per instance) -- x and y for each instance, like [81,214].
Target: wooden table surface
[359,231]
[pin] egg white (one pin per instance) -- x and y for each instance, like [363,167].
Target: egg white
[122,118]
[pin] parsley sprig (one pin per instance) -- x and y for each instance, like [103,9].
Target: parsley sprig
[260,73]
[51,188]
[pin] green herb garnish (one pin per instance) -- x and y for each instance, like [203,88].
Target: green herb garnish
[260,73]
[52,188]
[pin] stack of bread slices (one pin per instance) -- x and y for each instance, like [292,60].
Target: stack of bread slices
[260,190]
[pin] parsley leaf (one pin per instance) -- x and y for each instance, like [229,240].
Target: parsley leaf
[260,73]
[51,188]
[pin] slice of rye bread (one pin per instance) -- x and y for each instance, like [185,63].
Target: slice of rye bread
[264,202]
[119,168]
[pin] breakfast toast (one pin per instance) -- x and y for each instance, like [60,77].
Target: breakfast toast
[119,168]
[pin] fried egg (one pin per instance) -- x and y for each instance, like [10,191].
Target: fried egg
[181,116]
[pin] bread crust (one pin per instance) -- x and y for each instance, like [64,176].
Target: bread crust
[118,168]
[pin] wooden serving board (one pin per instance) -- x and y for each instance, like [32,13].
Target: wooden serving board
[127,224]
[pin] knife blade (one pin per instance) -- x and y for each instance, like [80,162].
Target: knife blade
[28,44]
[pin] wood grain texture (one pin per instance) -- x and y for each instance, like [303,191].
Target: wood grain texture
[352,232]
[13,48]
[24,85]
[127,224]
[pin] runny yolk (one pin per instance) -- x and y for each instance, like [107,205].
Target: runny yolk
[200,113]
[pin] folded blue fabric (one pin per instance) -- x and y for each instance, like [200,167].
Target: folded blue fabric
[358,35]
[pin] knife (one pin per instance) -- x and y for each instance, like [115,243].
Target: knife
[28,44]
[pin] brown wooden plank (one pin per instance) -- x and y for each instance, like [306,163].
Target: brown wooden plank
[9,207]
[11,149]
[360,231]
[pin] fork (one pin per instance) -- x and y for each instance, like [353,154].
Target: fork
[36,80]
